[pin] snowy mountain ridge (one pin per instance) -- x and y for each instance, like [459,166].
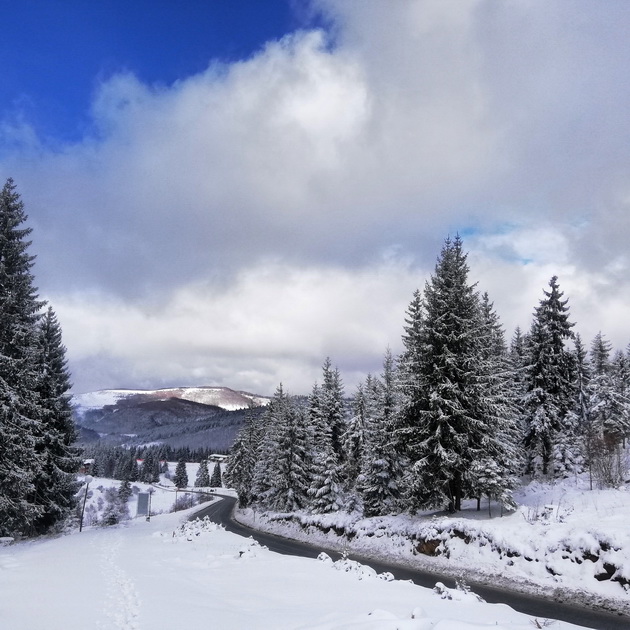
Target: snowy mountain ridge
[222,397]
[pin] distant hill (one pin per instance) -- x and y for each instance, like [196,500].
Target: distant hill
[198,417]
[224,397]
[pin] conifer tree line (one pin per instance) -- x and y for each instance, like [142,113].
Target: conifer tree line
[142,463]
[38,460]
[460,414]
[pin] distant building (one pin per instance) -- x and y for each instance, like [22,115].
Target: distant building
[87,466]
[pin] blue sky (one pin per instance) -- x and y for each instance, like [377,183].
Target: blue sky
[54,53]
[228,192]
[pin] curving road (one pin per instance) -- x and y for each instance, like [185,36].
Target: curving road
[221,512]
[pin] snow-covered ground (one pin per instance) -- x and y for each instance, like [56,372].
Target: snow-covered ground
[564,538]
[165,576]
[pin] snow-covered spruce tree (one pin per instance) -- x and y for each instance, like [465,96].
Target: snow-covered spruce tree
[332,407]
[409,381]
[380,466]
[55,479]
[550,433]
[582,379]
[150,467]
[293,468]
[325,491]
[263,484]
[284,455]
[620,372]
[124,491]
[447,418]
[181,476]
[490,482]
[495,474]
[354,437]
[215,480]
[20,377]
[239,472]
[518,360]
[581,418]
[134,469]
[202,479]
[122,469]
[610,407]
[609,413]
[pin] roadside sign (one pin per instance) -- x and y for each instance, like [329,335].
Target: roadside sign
[143,504]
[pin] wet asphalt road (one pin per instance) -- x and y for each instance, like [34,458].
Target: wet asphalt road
[221,512]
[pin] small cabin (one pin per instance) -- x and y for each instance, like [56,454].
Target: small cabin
[87,466]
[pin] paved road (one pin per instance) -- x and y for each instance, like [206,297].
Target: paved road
[221,512]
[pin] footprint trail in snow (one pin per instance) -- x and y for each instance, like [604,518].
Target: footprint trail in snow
[122,605]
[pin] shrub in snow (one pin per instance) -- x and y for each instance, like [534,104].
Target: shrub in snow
[90,516]
[183,502]
[352,566]
[204,497]
[461,593]
[116,510]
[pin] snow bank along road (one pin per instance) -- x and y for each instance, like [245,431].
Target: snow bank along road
[221,512]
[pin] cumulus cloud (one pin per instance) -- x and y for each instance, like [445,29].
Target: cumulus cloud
[241,224]
[273,323]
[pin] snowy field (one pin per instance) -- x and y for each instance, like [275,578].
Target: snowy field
[564,538]
[159,575]
[162,576]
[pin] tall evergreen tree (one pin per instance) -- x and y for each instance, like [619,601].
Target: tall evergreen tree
[586,434]
[332,406]
[550,379]
[284,456]
[239,472]
[263,482]
[495,471]
[215,480]
[381,472]
[20,414]
[609,407]
[325,490]
[443,409]
[124,491]
[122,468]
[181,476]
[354,437]
[55,479]
[150,466]
[620,372]
[325,472]
[202,480]
[581,387]
[134,469]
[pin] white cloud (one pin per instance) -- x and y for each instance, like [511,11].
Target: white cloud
[273,323]
[329,156]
